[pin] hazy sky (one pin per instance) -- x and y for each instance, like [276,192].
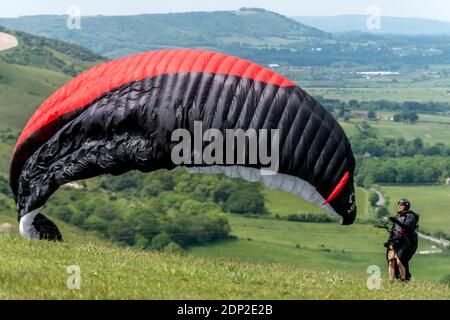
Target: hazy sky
[434,9]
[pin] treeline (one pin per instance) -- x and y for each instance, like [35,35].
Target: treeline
[378,105]
[417,169]
[161,210]
[397,160]
[396,147]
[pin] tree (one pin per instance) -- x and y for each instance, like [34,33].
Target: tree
[382,212]
[373,199]
[371,115]
[245,201]
[160,241]
[342,110]
[173,248]
[368,181]
[397,117]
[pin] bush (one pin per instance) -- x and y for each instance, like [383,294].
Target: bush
[245,201]
[373,199]
[141,242]
[4,186]
[173,248]
[446,280]
[382,212]
[160,241]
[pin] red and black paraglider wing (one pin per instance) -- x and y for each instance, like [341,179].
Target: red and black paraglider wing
[118,116]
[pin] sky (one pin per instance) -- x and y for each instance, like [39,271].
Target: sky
[432,9]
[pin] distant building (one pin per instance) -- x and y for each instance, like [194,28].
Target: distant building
[273,65]
[447,181]
[377,73]
[360,114]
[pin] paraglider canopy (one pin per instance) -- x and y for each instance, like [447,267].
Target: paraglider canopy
[122,115]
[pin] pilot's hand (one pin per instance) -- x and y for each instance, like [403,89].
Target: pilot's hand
[386,244]
[392,219]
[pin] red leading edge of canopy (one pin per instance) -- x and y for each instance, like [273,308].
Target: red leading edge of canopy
[338,188]
[88,86]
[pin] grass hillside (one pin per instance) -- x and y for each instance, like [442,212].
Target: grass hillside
[29,74]
[38,270]
[49,54]
[22,90]
[320,246]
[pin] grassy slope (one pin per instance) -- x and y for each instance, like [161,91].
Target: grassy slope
[49,54]
[282,203]
[318,246]
[37,270]
[22,90]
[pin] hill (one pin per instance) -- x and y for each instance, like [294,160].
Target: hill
[29,73]
[48,54]
[123,35]
[38,270]
[329,262]
[255,34]
[391,25]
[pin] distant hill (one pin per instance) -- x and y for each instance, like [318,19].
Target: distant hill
[394,25]
[116,36]
[49,54]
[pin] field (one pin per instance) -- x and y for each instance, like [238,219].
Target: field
[282,203]
[430,128]
[389,92]
[414,83]
[38,270]
[326,247]
[431,202]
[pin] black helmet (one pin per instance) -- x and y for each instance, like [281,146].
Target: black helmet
[405,202]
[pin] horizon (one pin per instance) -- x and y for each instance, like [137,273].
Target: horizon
[211,11]
[438,10]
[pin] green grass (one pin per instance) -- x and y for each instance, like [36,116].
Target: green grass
[431,128]
[38,270]
[431,133]
[283,203]
[70,232]
[326,247]
[431,202]
[369,92]
[22,90]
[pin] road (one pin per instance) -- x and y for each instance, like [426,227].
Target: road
[7,41]
[380,201]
